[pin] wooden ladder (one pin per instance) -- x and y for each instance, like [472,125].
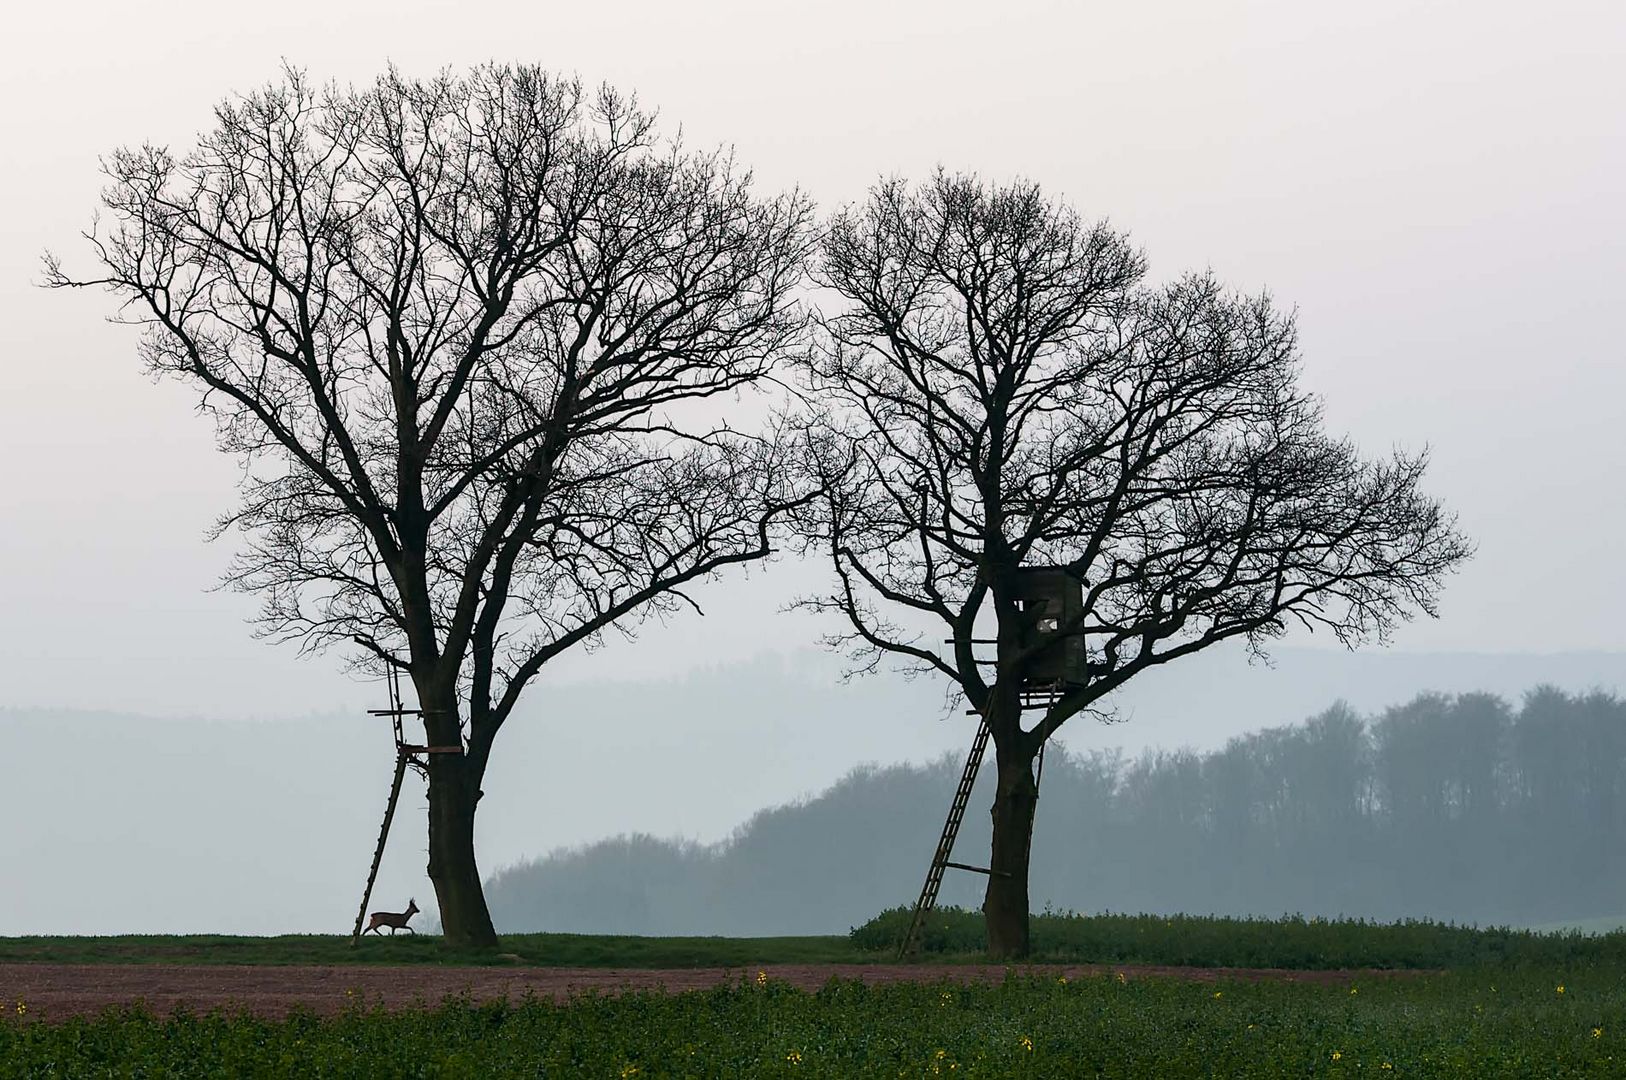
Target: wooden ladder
[945,844]
[383,835]
[405,754]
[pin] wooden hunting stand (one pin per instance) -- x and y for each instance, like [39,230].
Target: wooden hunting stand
[405,754]
[1050,597]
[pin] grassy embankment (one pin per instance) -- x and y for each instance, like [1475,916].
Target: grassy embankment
[552,950]
[953,936]
[1288,942]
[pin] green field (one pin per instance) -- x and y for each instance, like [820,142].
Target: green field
[952,936]
[1288,942]
[550,950]
[1477,1003]
[1534,1022]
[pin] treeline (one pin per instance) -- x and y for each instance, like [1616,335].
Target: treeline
[1460,808]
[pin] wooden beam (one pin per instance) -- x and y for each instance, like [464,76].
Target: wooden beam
[977,869]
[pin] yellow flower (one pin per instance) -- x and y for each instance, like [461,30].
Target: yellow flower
[1597,1033]
[1353,991]
[1062,981]
[629,1070]
[1560,988]
[22,1009]
[1027,1044]
[794,1057]
[1219,993]
[1386,1065]
[1122,977]
[1336,1055]
[762,978]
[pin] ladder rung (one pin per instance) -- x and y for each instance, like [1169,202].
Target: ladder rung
[977,869]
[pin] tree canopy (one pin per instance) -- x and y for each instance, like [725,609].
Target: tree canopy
[1003,388]
[461,334]
[1003,392]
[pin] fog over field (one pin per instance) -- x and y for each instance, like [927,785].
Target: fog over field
[1433,189]
[126,823]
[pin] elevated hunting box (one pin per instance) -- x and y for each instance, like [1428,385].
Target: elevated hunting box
[1052,600]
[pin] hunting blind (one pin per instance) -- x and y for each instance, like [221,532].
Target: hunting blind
[1052,600]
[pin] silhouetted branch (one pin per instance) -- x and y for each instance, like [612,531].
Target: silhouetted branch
[464,335]
[1002,390]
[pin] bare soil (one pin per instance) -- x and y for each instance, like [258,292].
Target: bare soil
[59,991]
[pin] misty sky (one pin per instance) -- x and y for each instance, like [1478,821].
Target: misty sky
[1435,187]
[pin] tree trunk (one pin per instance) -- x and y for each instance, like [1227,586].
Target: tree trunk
[454,792]
[1005,905]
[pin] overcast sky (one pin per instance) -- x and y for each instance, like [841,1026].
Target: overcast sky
[1434,186]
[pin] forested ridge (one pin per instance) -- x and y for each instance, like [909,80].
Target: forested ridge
[1467,807]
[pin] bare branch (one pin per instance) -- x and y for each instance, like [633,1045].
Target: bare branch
[1002,391]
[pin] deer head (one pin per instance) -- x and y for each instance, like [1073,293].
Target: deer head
[412,907]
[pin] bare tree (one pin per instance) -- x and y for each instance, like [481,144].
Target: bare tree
[1002,393]
[460,332]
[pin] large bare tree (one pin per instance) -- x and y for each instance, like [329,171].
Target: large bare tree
[460,333]
[1003,393]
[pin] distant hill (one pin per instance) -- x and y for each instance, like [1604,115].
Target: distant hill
[1452,807]
[120,822]
[818,865]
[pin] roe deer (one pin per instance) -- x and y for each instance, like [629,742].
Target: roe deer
[394,920]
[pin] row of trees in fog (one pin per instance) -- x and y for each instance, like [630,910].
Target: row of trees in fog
[505,368]
[1458,807]
[1462,808]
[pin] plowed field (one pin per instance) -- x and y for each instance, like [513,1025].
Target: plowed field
[58,991]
